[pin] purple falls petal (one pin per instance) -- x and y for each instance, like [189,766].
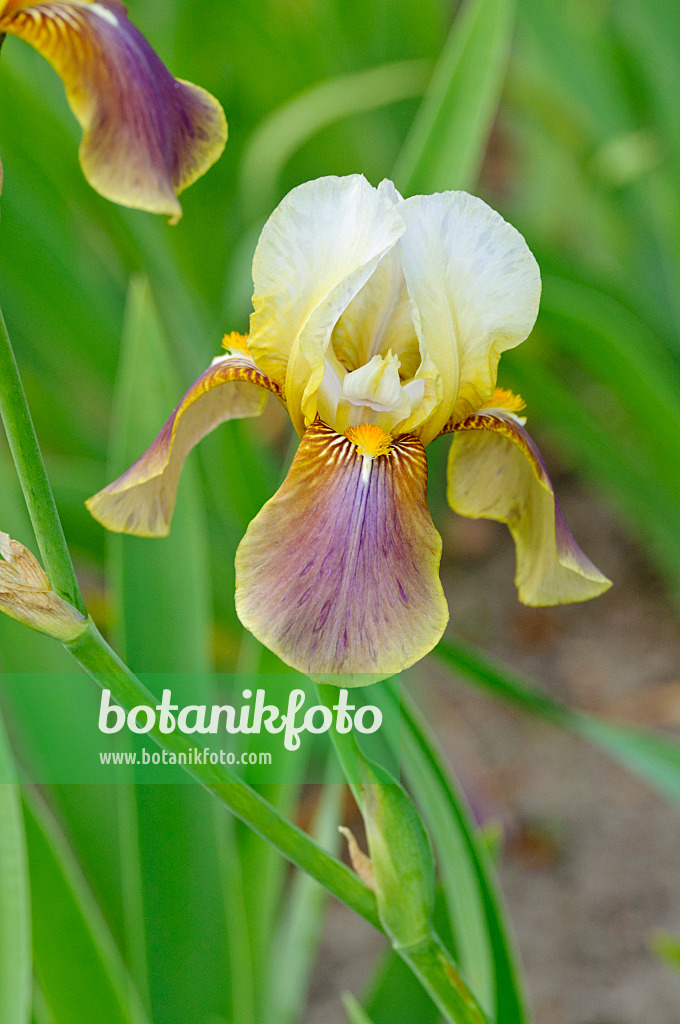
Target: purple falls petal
[339,573]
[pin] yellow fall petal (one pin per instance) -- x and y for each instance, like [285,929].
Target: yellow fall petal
[495,471]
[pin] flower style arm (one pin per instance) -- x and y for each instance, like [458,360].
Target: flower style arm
[142,500]
[495,471]
[146,135]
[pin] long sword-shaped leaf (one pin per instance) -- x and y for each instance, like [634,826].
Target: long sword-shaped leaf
[78,966]
[47,722]
[395,996]
[162,595]
[445,146]
[15,910]
[283,132]
[623,354]
[355,1011]
[481,934]
[299,930]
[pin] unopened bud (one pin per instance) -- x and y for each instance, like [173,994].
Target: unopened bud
[26,594]
[401,859]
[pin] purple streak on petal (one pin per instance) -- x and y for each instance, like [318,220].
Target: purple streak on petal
[339,575]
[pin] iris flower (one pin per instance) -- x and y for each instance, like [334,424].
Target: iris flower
[378,322]
[146,135]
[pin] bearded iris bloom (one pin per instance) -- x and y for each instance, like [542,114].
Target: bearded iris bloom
[379,323]
[146,135]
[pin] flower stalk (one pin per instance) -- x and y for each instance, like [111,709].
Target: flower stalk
[106,668]
[23,443]
[402,876]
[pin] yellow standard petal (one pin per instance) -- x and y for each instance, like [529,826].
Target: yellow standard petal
[142,501]
[317,249]
[146,135]
[338,574]
[495,471]
[474,288]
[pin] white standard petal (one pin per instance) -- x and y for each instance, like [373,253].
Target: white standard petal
[389,189]
[474,287]
[315,252]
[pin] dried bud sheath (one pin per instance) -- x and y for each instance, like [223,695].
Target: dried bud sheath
[26,595]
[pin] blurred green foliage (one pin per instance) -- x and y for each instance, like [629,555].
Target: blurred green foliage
[584,158]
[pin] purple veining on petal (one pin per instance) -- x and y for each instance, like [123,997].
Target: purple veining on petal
[340,575]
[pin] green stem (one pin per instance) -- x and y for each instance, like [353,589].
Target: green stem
[428,959]
[99,660]
[25,450]
[345,744]
[434,966]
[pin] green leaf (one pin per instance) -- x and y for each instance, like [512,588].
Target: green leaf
[299,928]
[446,144]
[48,722]
[162,580]
[355,1011]
[581,60]
[15,907]
[667,948]
[175,934]
[395,995]
[481,936]
[654,758]
[619,350]
[284,131]
[78,966]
